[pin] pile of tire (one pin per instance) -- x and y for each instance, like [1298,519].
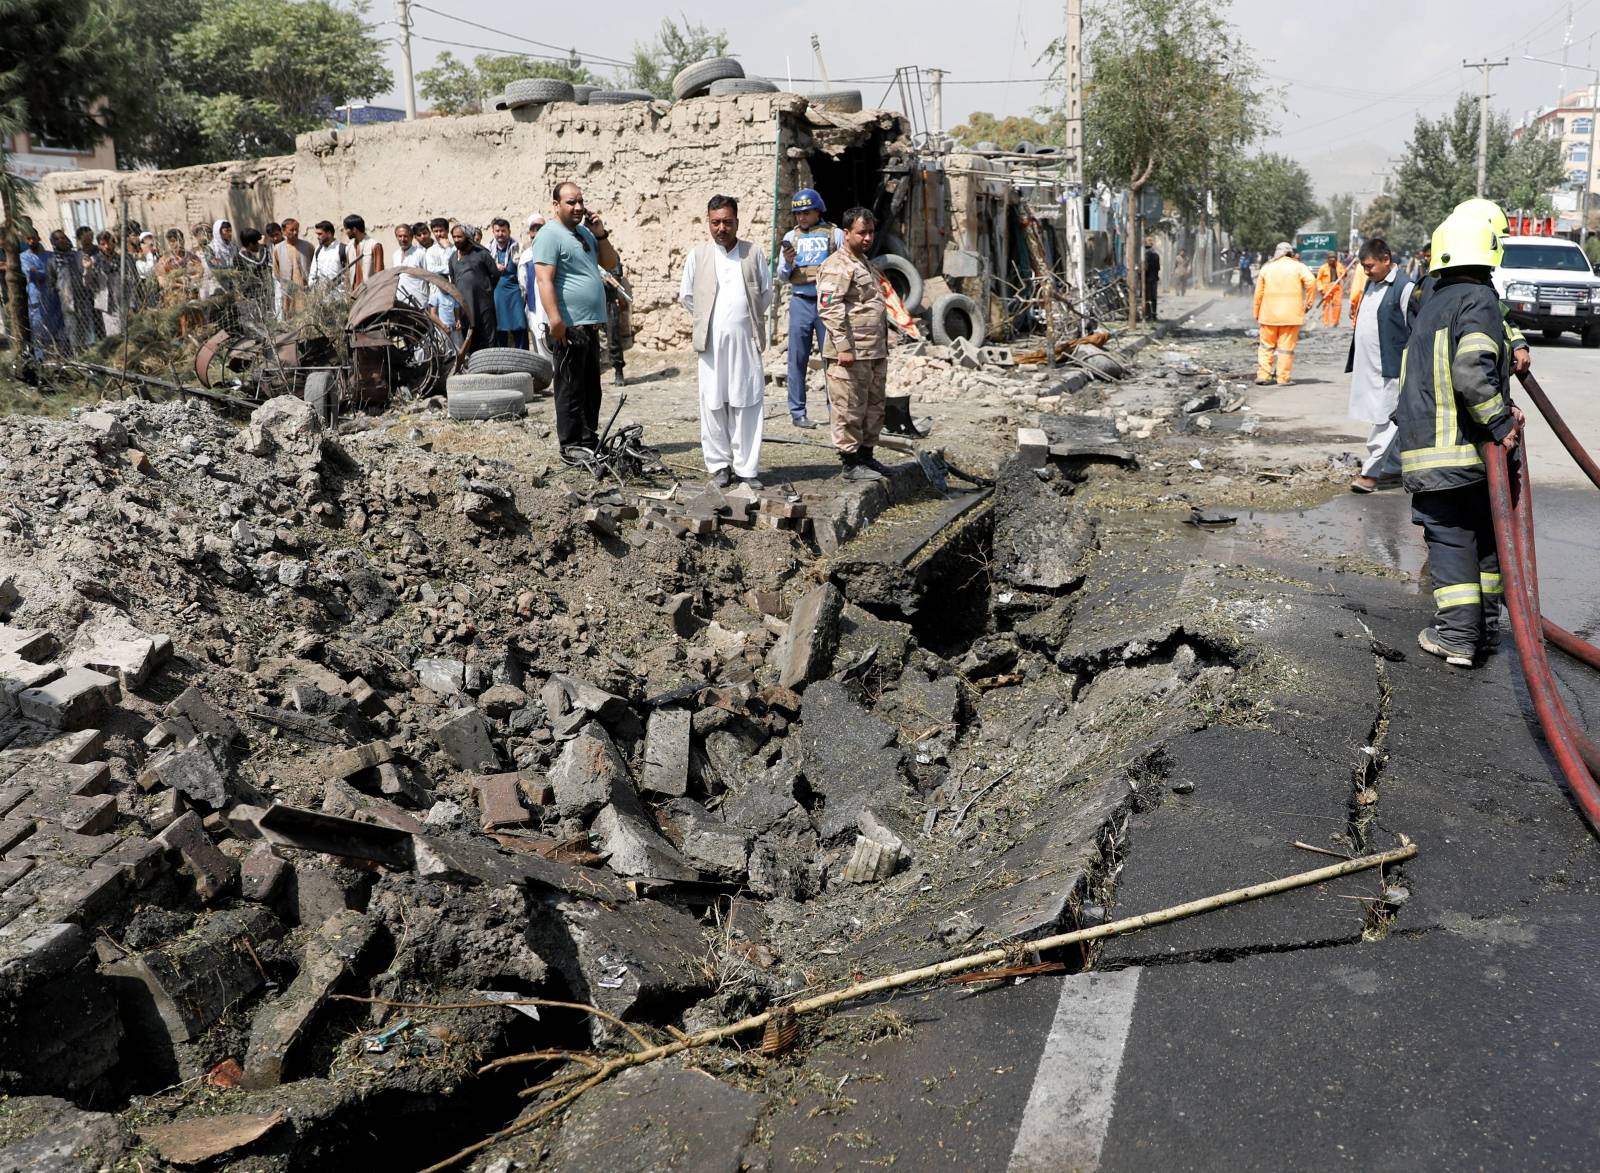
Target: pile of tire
[694,81]
[508,360]
[526,98]
[487,397]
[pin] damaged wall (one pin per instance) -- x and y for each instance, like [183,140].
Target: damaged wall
[648,167]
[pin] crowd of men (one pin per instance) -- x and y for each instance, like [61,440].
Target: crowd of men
[557,290]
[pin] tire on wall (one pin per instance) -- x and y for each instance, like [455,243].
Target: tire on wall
[727,87]
[693,80]
[619,97]
[839,101]
[537,89]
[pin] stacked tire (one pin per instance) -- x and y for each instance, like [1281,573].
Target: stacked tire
[693,81]
[487,397]
[905,279]
[729,87]
[955,315]
[526,98]
[508,360]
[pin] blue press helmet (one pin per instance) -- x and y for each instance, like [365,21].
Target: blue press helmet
[807,200]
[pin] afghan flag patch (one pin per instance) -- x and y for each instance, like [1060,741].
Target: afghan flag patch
[825,298]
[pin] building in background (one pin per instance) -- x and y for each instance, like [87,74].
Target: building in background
[1571,122]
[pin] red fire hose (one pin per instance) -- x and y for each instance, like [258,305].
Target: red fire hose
[1511,503]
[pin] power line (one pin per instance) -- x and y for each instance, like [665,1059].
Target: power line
[518,53]
[1358,109]
[566,52]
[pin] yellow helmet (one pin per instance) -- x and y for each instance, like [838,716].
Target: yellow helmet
[1463,241]
[1487,210]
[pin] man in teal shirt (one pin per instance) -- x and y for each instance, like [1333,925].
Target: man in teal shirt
[567,255]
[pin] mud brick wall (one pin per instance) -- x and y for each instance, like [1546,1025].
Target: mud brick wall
[648,167]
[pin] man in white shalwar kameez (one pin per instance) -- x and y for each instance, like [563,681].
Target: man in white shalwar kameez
[727,288]
[1381,330]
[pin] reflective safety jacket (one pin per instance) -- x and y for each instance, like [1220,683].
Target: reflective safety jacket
[1454,386]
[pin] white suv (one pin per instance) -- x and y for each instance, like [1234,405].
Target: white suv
[1548,285]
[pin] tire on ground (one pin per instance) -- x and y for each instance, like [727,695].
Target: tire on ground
[727,87]
[1101,361]
[904,277]
[1591,336]
[508,360]
[619,97]
[955,315]
[538,89]
[693,80]
[839,101]
[322,396]
[482,397]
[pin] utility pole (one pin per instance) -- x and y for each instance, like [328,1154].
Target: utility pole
[822,66]
[402,12]
[1074,176]
[1483,117]
[936,100]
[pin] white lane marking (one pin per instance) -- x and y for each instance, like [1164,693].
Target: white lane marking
[1069,1110]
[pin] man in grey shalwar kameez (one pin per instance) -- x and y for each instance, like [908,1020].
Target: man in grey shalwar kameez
[1381,331]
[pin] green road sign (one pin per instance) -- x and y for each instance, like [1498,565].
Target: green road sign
[1326,241]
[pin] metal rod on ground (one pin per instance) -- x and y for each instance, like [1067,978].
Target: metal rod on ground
[941,969]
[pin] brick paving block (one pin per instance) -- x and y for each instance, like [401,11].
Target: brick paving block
[17,676]
[89,814]
[362,757]
[87,896]
[35,645]
[80,747]
[499,798]
[66,778]
[365,696]
[129,660]
[11,797]
[536,792]
[73,700]
[211,870]
[140,860]
[263,873]
[12,870]
[206,717]
[13,831]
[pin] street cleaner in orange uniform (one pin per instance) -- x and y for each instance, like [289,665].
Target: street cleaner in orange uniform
[1284,291]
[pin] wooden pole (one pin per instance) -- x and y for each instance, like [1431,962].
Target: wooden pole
[940,969]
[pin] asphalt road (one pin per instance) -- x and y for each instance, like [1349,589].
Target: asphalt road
[1302,1032]
[1308,420]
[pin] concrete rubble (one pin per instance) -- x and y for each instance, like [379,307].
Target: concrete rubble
[280,724]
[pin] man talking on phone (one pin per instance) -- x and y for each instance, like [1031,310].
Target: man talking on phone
[568,254]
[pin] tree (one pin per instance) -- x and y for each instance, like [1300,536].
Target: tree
[195,81]
[1006,133]
[656,64]
[454,87]
[1335,215]
[1170,96]
[45,90]
[1381,218]
[1263,200]
[1441,166]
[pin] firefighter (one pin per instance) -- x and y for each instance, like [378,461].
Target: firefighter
[1330,290]
[1455,396]
[1495,217]
[1284,291]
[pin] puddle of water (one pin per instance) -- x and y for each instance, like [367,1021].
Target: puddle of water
[1378,527]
